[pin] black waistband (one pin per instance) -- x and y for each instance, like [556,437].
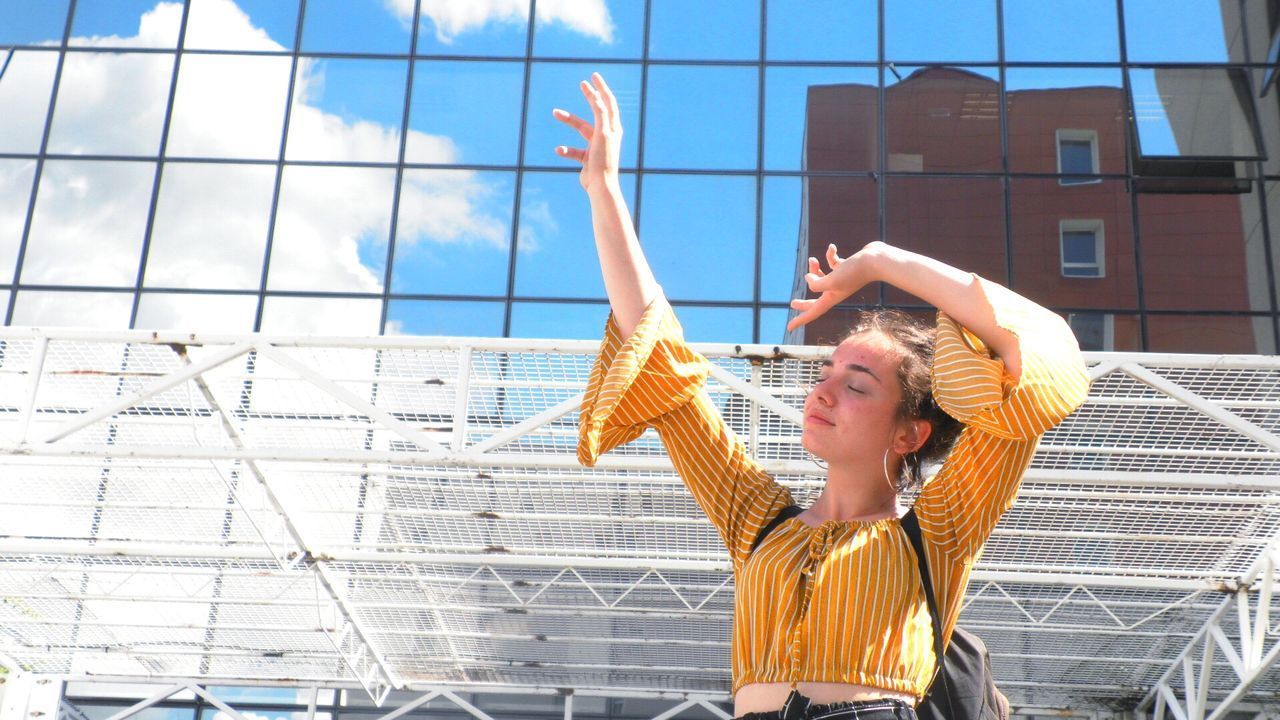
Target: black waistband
[801,707]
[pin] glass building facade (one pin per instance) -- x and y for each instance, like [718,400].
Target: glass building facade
[357,167]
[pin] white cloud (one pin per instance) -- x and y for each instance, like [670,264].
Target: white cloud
[88,227]
[452,18]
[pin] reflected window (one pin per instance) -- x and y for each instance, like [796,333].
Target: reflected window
[1078,31]
[243,25]
[15,195]
[820,118]
[556,254]
[1094,331]
[698,253]
[111,103]
[26,82]
[705,30]
[1048,106]
[555,85]
[465,112]
[942,119]
[89,221]
[1077,155]
[210,226]
[32,23]
[126,23]
[453,235]
[196,313]
[97,310]
[1203,113]
[822,30]
[1194,33]
[494,29]
[1082,248]
[229,106]
[331,230]
[449,318]
[604,29]
[347,110]
[357,26]
[940,31]
[678,93]
[320,316]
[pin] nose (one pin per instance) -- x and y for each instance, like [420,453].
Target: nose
[821,392]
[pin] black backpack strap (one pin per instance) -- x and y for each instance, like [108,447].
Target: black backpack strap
[911,525]
[789,511]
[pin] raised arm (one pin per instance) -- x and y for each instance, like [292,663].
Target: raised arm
[627,278]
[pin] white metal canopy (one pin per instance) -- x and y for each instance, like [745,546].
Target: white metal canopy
[408,512]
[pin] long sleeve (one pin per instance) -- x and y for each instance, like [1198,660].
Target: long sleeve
[1004,416]
[653,379]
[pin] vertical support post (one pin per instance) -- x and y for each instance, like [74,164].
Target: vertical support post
[460,401]
[33,386]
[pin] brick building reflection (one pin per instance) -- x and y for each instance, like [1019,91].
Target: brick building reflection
[946,120]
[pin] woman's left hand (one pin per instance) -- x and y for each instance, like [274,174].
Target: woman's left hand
[847,276]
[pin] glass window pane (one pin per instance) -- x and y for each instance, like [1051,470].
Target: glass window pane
[242,25]
[1273,230]
[555,85]
[126,23]
[781,238]
[331,229]
[1079,247]
[957,221]
[1041,102]
[347,110]
[826,211]
[15,196]
[210,228]
[1203,252]
[357,26]
[604,29]
[88,225]
[698,254]
[773,326]
[229,106]
[25,89]
[569,321]
[716,324]
[1079,31]
[678,93]
[822,30]
[557,250]
[453,28]
[465,112]
[1043,213]
[708,30]
[821,119]
[1193,112]
[450,318]
[197,313]
[454,232]
[100,311]
[1150,29]
[111,104]
[940,31]
[1076,156]
[1244,334]
[23,22]
[253,694]
[1120,332]
[321,316]
[943,119]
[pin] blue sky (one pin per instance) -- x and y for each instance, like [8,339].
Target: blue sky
[472,111]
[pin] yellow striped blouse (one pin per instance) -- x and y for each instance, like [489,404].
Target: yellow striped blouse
[842,602]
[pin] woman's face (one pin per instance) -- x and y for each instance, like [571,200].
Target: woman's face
[852,411]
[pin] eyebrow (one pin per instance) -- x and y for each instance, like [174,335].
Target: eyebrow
[855,367]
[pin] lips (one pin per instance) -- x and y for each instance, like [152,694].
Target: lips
[816,419]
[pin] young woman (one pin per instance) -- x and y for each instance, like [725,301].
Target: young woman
[829,613]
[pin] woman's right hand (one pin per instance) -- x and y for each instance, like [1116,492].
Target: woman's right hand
[604,138]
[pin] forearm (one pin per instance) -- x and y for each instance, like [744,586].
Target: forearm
[951,290]
[628,281]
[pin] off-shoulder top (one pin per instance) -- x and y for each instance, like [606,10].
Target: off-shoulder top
[843,602]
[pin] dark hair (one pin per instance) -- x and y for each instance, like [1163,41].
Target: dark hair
[914,342]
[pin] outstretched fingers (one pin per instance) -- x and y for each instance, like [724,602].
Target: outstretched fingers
[582,126]
[611,100]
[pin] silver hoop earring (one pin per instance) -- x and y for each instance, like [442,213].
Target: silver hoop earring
[885,463]
[819,463]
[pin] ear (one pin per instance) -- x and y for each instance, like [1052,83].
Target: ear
[911,436]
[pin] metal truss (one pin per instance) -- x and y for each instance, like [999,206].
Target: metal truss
[409,513]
